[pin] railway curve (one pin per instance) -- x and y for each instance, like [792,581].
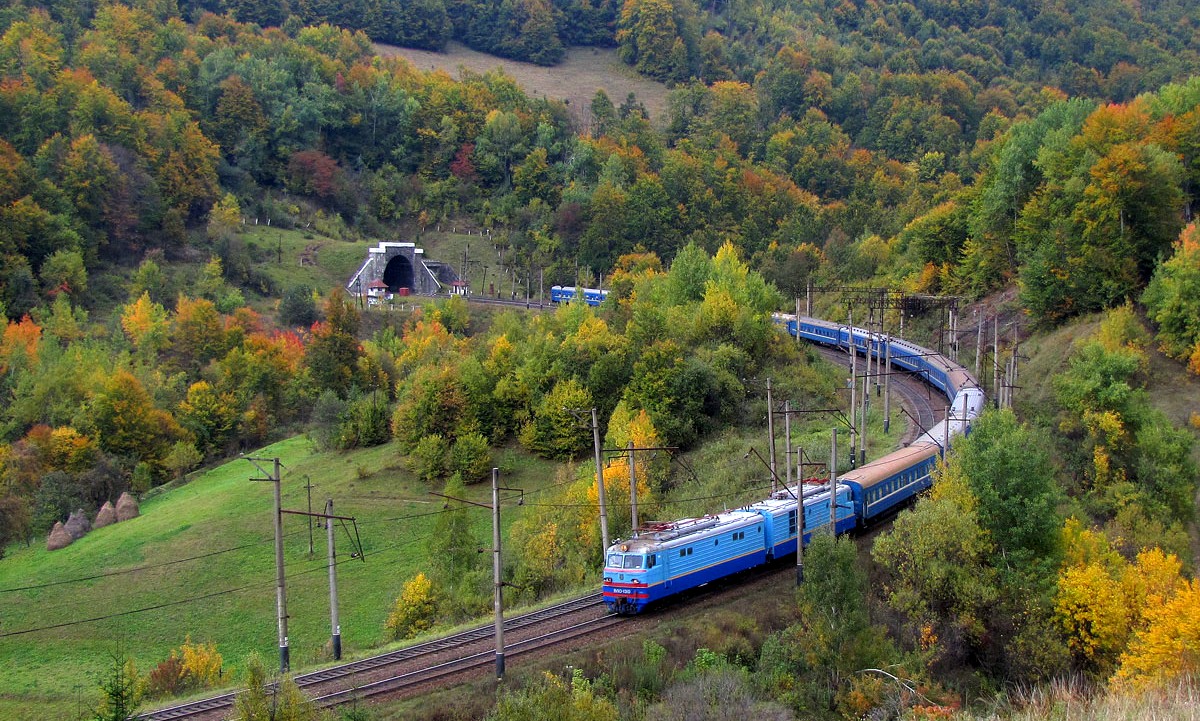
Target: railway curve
[409,670]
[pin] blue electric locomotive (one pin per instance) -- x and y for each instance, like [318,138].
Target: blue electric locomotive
[663,559]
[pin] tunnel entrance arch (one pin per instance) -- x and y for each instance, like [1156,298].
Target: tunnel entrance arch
[398,273]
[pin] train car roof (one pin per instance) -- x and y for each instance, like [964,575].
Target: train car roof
[889,465]
[653,537]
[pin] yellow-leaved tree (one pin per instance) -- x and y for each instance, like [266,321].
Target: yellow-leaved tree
[145,322]
[1105,604]
[201,663]
[415,609]
[650,467]
[1168,647]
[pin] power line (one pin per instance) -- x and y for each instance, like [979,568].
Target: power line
[193,599]
[155,607]
[137,569]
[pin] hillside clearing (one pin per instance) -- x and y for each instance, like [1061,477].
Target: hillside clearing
[575,80]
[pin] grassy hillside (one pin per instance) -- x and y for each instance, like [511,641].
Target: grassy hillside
[43,674]
[575,80]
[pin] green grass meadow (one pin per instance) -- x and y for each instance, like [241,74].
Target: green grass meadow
[50,673]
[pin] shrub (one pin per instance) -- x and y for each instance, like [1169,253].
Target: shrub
[428,459]
[191,666]
[165,679]
[471,456]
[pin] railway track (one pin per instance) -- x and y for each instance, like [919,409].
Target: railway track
[424,663]
[914,394]
[418,667]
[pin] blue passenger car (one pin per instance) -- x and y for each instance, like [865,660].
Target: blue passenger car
[566,294]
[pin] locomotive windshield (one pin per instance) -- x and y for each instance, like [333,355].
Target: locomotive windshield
[632,561]
[614,560]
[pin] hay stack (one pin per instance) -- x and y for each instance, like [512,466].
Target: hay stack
[77,525]
[106,516]
[59,538]
[126,507]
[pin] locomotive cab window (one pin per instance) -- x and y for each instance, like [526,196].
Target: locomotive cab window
[632,561]
[650,561]
[614,560]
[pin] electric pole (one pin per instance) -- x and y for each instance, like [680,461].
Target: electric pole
[600,482]
[887,395]
[833,483]
[787,443]
[799,515]
[499,583]
[308,490]
[853,392]
[333,599]
[632,492]
[280,584]
[771,435]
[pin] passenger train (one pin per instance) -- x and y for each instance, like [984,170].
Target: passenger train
[667,558]
[564,294]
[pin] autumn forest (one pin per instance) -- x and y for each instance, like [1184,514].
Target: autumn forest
[1043,153]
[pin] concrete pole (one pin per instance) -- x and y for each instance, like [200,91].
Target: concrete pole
[308,490]
[499,596]
[887,374]
[866,404]
[600,483]
[1013,384]
[954,334]
[787,442]
[996,359]
[799,515]
[833,483]
[632,491]
[280,584]
[853,399]
[946,430]
[333,600]
[771,435]
[978,342]
[797,321]
[808,297]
